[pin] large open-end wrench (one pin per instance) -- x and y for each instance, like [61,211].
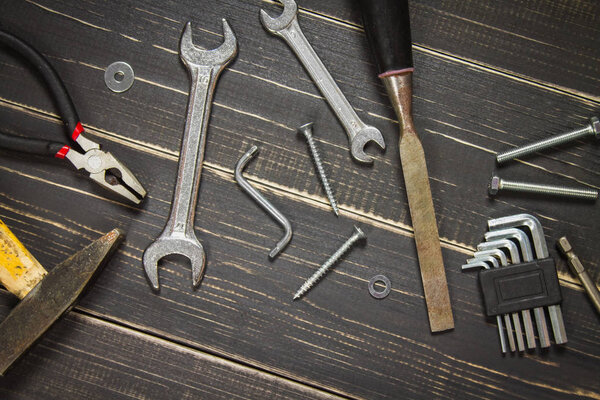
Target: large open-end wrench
[286,26]
[178,236]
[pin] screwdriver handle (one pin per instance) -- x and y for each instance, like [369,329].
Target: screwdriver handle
[387,25]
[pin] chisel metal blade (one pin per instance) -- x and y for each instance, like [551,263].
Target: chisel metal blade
[52,297]
[429,251]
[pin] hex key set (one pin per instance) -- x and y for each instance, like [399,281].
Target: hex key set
[516,278]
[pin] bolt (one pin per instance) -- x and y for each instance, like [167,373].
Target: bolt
[497,184]
[306,130]
[592,129]
[310,282]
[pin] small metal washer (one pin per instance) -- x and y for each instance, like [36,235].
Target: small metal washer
[380,278]
[119,69]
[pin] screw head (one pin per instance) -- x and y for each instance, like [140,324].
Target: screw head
[595,124]
[361,234]
[306,129]
[494,185]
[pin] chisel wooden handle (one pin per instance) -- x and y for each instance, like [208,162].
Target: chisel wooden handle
[387,25]
[19,270]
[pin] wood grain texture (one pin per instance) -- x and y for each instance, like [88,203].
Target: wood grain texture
[338,338]
[84,357]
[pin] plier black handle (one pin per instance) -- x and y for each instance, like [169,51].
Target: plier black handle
[99,164]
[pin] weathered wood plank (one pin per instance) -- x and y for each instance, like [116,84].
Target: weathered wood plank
[553,43]
[337,337]
[85,357]
[461,119]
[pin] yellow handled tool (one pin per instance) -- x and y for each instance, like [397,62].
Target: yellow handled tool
[45,296]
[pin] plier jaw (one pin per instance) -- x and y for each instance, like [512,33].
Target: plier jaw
[106,170]
[103,168]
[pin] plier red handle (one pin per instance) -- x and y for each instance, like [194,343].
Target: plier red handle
[102,166]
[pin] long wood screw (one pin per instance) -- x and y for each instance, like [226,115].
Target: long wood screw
[592,129]
[310,282]
[306,130]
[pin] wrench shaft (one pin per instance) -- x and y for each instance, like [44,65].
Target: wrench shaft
[191,158]
[320,75]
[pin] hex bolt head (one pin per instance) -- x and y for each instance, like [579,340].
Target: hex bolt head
[494,185]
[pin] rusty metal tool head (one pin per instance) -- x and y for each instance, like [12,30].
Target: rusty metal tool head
[387,25]
[45,296]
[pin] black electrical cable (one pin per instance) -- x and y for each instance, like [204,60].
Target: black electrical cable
[59,92]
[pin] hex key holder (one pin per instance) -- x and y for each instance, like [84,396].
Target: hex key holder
[264,203]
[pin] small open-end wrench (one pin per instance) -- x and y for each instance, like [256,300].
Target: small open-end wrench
[178,236]
[286,26]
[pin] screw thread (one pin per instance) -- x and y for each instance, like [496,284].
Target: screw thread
[544,144]
[582,193]
[314,151]
[310,282]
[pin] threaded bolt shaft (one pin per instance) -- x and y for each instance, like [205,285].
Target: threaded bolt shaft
[306,130]
[592,129]
[498,184]
[310,282]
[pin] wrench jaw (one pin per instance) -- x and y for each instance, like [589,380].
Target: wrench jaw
[274,25]
[188,247]
[193,56]
[360,141]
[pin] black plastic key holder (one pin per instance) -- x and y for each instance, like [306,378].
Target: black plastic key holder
[519,287]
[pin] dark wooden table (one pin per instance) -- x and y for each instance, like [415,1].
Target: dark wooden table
[489,75]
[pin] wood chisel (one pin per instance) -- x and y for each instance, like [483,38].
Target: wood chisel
[388,29]
[45,295]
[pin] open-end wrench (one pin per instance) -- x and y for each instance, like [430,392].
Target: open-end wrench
[286,26]
[178,236]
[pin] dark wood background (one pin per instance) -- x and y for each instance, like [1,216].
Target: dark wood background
[489,75]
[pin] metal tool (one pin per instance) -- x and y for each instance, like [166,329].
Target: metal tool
[592,129]
[527,256]
[359,134]
[515,316]
[497,184]
[335,257]
[45,295]
[515,258]
[579,271]
[264,203]
[178,236]
[387,26]
[477,263]
[119,77]
[103,167]
[386,289]
[491,258]
[541,250]
[306,131]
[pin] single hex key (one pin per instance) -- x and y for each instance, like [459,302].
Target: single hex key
[264,203]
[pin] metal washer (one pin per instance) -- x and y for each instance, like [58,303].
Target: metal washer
[380,278]
[115,69]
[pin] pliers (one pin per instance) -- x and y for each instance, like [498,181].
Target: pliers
[102,167]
